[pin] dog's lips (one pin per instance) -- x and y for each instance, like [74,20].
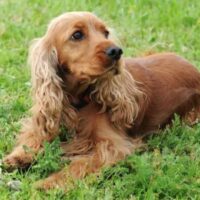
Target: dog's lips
[115,68]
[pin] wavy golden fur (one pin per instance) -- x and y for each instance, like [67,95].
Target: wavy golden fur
[80,81]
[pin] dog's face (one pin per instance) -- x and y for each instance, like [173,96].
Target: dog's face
[83,45]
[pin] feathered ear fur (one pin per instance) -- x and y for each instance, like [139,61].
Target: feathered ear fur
[46,87]
[48,94]
[120,96]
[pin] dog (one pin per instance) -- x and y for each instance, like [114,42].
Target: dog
[81,81]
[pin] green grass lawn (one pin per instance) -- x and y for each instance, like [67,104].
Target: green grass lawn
[169,167]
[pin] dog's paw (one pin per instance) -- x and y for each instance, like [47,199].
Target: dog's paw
[52,182]
[47,184]
[59,180]
[17,159]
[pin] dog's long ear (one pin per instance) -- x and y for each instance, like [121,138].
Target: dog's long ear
[48,95]
[120,96]
[46,87]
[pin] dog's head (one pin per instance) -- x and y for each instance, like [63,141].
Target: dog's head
[83,45]
[80,44]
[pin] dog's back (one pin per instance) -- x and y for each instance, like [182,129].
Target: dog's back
[171,85]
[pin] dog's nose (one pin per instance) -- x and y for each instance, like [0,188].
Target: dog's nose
[114,52]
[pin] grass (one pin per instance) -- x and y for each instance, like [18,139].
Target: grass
[169,168]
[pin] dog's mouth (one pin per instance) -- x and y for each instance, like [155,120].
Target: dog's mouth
[114,69]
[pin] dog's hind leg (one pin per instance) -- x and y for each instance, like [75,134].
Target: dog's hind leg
[193,117]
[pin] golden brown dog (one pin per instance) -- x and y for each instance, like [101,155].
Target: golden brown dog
[80,81]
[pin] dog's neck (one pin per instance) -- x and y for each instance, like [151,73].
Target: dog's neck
[72,84]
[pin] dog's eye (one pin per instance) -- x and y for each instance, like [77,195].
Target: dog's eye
[106,33]
[78,35]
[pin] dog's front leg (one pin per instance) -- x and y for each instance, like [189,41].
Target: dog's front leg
[29,142]
[98,144]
